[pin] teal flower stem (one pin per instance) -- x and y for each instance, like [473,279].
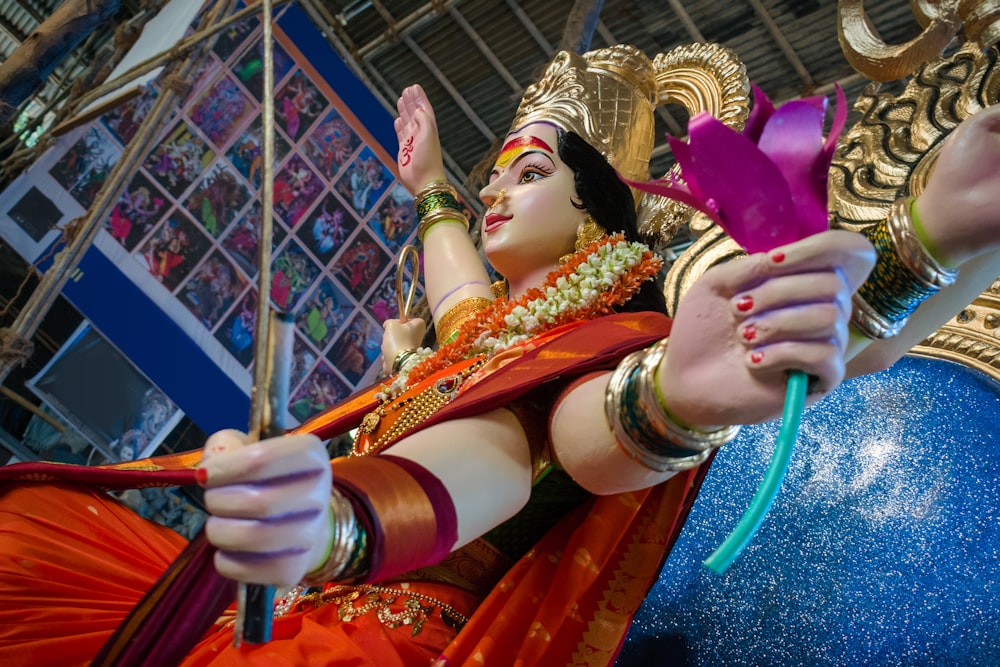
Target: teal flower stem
[749,523]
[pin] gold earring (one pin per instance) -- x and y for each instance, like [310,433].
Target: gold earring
[589,232]
[499,198]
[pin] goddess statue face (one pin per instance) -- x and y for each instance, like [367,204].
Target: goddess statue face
[532,220]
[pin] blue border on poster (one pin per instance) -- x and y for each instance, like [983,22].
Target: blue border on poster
[137,326]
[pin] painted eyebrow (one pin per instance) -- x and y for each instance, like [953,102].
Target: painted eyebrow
[520,142]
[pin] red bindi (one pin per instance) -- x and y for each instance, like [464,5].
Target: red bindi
[744,303]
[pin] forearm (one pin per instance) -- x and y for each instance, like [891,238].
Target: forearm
[866,355]
[454,271]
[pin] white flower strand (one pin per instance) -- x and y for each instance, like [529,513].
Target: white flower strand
[602,269]
[578,291]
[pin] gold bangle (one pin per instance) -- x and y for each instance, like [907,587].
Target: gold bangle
[466,309]
[904,276]
[436,186]
[643,428]
[344,545]
[440,215]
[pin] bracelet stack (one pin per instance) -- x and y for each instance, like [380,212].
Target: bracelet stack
[347,560]
[437,202]
[400,359]
[905,274]
[643,427]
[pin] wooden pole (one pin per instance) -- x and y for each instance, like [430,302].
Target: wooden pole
[580,25]
[24,72]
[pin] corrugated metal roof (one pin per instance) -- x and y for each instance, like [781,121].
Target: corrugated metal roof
[513,32]
[440,44]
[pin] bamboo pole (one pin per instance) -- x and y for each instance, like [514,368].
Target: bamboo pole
[176,77]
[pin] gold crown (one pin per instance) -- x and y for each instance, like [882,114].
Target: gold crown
[609,97]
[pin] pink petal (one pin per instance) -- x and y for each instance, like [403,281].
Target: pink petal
[839,120]
[793,140]
[672,189]
[763,108]
[754,201]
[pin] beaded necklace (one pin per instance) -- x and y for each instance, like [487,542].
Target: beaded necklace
[594,280]
[591,283]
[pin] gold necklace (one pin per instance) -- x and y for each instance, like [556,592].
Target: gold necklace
[416,409]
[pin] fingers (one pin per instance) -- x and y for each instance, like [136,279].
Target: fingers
[264,461]
[269,505]
[273,569]
[815,322]
[822,360]
[789,291]
[848,253]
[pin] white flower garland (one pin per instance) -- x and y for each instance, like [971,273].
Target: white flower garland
[575,292]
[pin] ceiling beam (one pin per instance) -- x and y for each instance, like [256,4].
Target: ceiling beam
[450,87]
[532,29]
[783,44]
[403,27]
[686,21]
[485,50]
[580,24]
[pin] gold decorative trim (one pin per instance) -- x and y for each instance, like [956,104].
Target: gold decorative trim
[888,154]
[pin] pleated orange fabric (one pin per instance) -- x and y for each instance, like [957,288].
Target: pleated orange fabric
[73,563]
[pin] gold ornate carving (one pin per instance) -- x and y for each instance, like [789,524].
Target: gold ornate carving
[941,20]
[890,153]
[699,77]
[972,337]
[608,97]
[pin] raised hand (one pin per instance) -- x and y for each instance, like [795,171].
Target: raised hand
[419,156]
[269,503]
[744,325]
[958,208]
[399,337]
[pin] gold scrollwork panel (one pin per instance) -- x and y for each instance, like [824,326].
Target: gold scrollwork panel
[888,154]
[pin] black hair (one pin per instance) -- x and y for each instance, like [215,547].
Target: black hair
[609,202]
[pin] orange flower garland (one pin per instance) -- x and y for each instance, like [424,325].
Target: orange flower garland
[470,337]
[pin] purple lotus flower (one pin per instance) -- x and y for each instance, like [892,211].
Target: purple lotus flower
[765,186]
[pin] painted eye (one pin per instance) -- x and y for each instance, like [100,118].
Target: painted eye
[531,175]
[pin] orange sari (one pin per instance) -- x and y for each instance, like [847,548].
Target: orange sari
[82,560]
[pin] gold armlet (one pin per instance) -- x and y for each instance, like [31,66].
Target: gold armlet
[449,323]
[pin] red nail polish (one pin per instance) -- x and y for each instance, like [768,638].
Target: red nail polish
[749,332]
[778,257]
[756,357]
[201,476]
[744,303]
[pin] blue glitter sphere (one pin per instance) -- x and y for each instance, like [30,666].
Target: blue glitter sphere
[882,547]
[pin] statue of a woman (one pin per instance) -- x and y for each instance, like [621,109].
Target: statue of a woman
[511,495]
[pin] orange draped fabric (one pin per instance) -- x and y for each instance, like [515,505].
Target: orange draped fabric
[73,561]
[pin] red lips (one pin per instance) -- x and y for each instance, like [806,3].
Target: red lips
[492,221]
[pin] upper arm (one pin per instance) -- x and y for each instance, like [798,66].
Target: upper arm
[585,447]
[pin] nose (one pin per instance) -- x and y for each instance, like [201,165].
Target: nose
[497,199]
[490,194]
